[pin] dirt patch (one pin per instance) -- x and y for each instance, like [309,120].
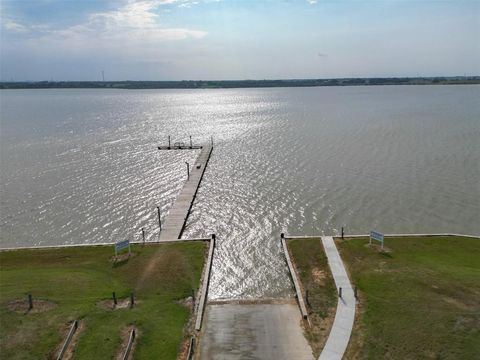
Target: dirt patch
[318,276]
[125,336]
[457,303]
[317,333]
[21,306]
[187,302]
[183,351]
[122,258]
[65,329]
[377,247]
[121,304]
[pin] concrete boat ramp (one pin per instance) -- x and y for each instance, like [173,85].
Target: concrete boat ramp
[264,331]
[235,329]
[259,329]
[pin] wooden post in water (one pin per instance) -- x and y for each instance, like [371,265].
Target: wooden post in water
[143,235]
[159,218]
[168,142]
[342,232]
[191,145]
[188,170]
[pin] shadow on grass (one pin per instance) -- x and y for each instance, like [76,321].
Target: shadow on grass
[118,263]
[386,254]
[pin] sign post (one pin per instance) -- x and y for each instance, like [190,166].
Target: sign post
[376,236]
[122,245]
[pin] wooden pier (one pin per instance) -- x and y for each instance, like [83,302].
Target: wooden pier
[177,217]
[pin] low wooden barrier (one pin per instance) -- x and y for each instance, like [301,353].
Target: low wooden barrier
[73,328]
[131,339]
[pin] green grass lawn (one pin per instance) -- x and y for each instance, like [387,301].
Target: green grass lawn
[77,278]
[420,300]
[312,268]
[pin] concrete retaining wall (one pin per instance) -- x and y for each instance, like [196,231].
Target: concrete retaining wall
[206,280]
[296,283]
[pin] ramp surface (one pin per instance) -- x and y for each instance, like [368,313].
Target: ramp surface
[254,331]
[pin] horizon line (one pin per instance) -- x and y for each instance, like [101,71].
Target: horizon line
[273,79]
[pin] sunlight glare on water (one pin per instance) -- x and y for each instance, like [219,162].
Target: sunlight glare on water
[81,166]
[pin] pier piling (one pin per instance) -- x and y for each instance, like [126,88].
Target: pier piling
[159,218]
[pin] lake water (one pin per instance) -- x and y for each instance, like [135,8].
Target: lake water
[81,166]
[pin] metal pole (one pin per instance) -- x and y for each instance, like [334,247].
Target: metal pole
[342,232]
[132,300]
[188,170]
[340,292]
[169,141]
[143,235]
[159,218]
[211,140]
[114,296]
[191,141]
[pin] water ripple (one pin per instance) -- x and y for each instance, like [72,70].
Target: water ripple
[299,161]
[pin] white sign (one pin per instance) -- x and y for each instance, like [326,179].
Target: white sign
[122,245]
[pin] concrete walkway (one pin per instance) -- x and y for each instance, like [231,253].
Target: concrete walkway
[342,326]
[255,331]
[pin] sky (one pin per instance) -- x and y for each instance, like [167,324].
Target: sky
[235,39]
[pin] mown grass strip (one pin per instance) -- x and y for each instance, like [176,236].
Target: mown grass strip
[76,280]
[418,300]
[311,265]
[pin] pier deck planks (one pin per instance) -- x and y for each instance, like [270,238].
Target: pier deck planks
[178,214]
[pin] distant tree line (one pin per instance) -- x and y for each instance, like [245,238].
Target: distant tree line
[215,84]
